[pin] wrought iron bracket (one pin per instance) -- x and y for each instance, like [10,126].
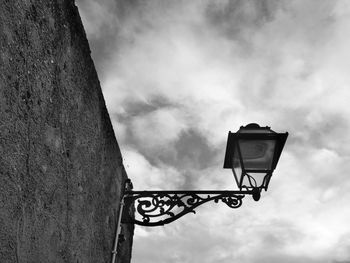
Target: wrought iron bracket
[163,207]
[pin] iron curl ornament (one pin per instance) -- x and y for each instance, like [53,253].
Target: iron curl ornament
[156,208]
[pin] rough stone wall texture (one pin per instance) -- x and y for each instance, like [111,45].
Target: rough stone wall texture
[61,169]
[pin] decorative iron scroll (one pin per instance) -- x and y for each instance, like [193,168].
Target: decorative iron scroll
[162,207]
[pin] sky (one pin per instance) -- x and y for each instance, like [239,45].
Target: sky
[178,75]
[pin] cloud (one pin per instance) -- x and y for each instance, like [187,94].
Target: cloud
[342,251]
[178,75]
[158,129]
[146,176]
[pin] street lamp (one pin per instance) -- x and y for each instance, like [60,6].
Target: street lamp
[252,153]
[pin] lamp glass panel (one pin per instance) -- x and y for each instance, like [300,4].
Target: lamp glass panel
[257,154]
[237,168]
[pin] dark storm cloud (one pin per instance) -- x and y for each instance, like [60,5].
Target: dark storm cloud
[234,18]
[192,152]
[137,108]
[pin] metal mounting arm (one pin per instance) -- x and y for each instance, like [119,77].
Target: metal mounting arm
[163,207]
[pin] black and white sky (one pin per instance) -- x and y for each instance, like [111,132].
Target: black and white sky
[178,75]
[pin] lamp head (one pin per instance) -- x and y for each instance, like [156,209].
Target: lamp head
[253,153]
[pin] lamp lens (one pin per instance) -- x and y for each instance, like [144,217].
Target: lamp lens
[257,154]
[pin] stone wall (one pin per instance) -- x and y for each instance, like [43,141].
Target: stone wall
[61,171]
